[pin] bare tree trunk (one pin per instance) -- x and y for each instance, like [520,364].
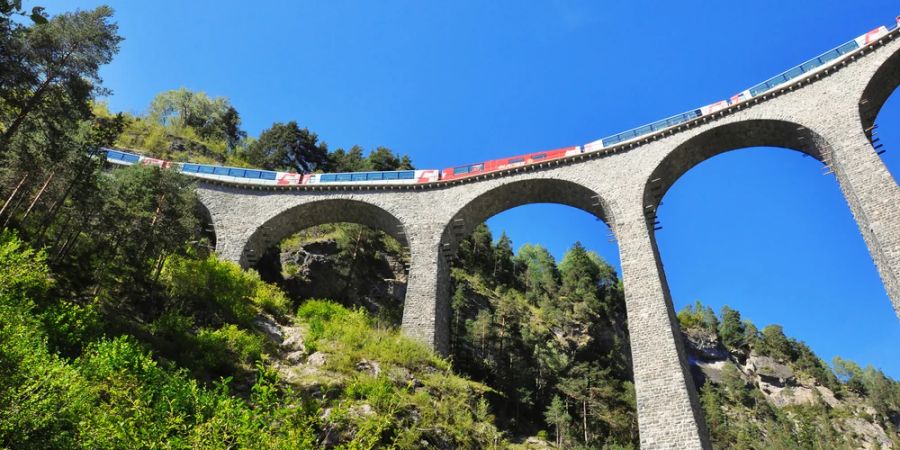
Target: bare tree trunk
[13,195]
[38,196]
[584,419]
[14,208]
[53,210]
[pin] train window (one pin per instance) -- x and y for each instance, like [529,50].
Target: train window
[406,175]
[460,170]
[516,160]
[375,176]
[266,175]
[359,177]
[848,47]
[477,167]
[795,72]
[236,172]
[220,171]
[539,156]
[327,178]
[205,169]
[390,175]
[252,174]
[131,158]
[342,177]
[189,167]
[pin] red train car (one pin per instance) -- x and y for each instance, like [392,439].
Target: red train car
[469,170]
[156,162]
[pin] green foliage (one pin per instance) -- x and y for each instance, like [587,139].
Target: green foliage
[350,337]
[216,348]
[50,73]
[148,214]
[698,317]
[545,332]
[739,416]
[539,275]
[380,159]
[557,416]
[476,252]
[42,399]
[69,325]
[774,343]
[448,410]
[270,298]
[213,119]
[731,329]
[221,286]
[287,147]
[23,270]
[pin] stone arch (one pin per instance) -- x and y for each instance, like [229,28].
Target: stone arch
[878,89]
[725,138]
[519,193]
[207,223]
[319,212]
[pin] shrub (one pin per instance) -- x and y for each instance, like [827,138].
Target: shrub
[333,326]
[70,326]
[172,325]
[41,398]
[270,298]
[227,346]
[221,285]
[23,270]
[379,392]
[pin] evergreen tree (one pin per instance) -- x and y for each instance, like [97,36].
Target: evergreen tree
[503,261]
[346,161]
[538,274]
[775,343]
[477,252]
[731,330]
[288,147]
[558,417]
[51,70]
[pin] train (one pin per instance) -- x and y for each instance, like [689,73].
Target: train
[420,176]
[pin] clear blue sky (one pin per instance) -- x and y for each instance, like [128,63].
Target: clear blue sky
[759,229]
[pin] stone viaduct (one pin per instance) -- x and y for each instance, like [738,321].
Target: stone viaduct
[824,115]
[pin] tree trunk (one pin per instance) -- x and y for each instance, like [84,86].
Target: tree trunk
[13,195]
[32,102]
[53,210]
[584,419]
[62,230]
[159,266]
[38,196]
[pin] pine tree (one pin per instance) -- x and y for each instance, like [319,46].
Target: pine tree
[557,416]
[731,329]
[503,261]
